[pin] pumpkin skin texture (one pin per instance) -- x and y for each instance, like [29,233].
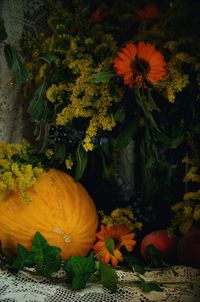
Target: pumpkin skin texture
[60,209]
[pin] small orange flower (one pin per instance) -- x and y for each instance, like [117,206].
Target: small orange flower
[137,63]
[148,13]
[97,16]
[121,235]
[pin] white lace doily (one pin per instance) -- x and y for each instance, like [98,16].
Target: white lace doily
[25,286]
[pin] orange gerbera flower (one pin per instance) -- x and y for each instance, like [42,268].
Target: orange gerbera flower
[97,16]
[139,63]
[121,235]
[148,13]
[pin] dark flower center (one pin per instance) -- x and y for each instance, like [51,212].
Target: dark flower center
[117,242]
[141,66]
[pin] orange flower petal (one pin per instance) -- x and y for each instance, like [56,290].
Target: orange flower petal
[99,245]
[106,257]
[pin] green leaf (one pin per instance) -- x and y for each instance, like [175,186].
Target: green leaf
[60,152]
[8,55]
[134,263]
[17,68]
[46,257]
[110,244]
[81,160]
[154,255]
[106,167]
[176,141]
[102,77]
[120,114]
[24,258]
[49,58]
[126,135]
[171,142]
[59,75]
[108,276]
[145,110]
[3,33]
[37,106]
[149,286]
[152,103]
[81,269]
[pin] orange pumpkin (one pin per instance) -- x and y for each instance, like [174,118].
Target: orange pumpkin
[60,209]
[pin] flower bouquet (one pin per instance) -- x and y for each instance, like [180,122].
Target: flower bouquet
[103,75]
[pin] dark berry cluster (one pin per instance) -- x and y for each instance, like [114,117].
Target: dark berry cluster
[60,134]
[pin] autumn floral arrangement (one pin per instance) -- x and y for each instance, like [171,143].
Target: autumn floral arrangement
[94,82]
[102,75]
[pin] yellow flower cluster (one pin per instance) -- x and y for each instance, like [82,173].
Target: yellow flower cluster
[192,175]
[120,216]
[57,93]
[69,162]
[186,214]
[176,80]
[88,100]
[192,195]
[49,153]
[188,211]
[15,176]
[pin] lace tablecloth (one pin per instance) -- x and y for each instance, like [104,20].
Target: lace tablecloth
[28,286]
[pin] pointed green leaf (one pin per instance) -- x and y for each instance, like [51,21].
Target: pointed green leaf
[102,77]
[81,162]
[143,107]
[108,276]
[154,255]
[176,141]
[81,269]
[110,244]
[135,263]
[126,135]
[149,286]
[48,58]
[120,114]
[59,75]
[152,102]
[60,152]
[24,258]
[38,104]
[8,55]
[17,68]
[3,33]
[46,257]
[107,168]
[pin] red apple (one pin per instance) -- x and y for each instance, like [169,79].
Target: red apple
[161,240]
[188,249]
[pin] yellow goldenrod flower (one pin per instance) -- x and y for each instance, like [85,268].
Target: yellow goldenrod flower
[68,162]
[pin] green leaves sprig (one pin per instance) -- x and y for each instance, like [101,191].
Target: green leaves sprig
[44,257]
[79,270]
